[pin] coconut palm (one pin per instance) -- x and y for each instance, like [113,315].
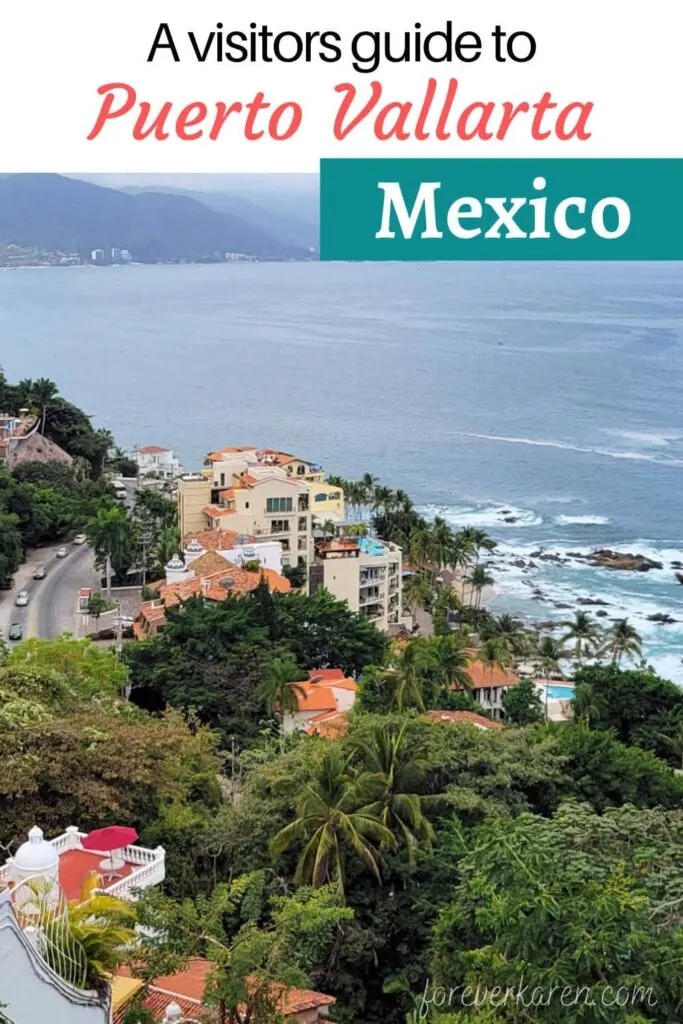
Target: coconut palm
[476,541]
[549,654]
[442,544]
[382,498]
[101,932]
[452,661]
[332,820]
[586,704]
[398,772]
[42,392]
[495,653]
[622,640]
[408,673]
[421,549]
[368,483]
[585,634]
[417,592]
[280,689]
[112,535]
[478,578]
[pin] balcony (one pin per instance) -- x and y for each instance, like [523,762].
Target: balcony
[303,504]
[279,526]
[141,868]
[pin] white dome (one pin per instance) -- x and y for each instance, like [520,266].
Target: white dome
[175,563]
[37,856]
[194,546]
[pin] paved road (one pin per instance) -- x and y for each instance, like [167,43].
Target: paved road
[52,608]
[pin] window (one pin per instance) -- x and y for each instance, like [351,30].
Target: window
[285,545]
[321,496]
[222,479]
[302,543]
[303,524]
[279,526]
[278,505]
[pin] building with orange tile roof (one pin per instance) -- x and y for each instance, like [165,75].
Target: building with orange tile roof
[462,718]
[260,492]
[327,692]
[212,577]
[186,989]
[489,684]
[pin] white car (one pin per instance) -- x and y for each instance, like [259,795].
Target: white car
[22,599]
[80,538]
[61,553]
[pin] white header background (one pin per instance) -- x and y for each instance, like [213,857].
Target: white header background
[625,58]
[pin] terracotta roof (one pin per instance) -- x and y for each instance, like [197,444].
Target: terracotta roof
[326,673]
[220,454]
[218,540]
[75,866]
[248,479]
[339,544]
[152,449]
[329,724]
[216,511]
[210,563]
[151,611]
[333,677]
[186,988]
[138,631]
[483,676]
[314,697]
[463,716]
[227,492]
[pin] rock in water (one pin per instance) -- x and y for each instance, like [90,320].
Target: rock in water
[606,559]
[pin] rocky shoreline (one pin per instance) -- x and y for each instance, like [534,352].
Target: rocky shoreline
[600,558]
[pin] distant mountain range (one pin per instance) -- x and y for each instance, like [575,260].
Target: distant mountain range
[52,213]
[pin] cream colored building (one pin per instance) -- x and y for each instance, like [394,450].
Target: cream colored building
[366,573]
[259,493]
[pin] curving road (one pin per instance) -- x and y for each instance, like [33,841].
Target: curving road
[52,608]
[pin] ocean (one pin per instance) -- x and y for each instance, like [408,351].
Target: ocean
[543,402]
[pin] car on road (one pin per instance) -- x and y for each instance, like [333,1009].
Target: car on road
[80,538]
[16,631]
[22,599]
[40,573]
[60,553]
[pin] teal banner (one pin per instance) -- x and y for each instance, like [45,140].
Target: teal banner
[500,209]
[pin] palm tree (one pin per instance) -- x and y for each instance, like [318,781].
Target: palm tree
[382,498]
[586,705]
[398,772]
[549,653]
[101,931]
[585,633]
[495,653]
[674,743]
[421,549]
[410,671]
[477,540]
[478,578]
[417,592]
[452,659]
[112,536]
[357,530]
[280,689]
[442,543]
[623,640]
[332,819]
[43,391]
[367,485]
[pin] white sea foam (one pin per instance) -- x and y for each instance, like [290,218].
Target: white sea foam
[498,516]
[565,446]
[582,520]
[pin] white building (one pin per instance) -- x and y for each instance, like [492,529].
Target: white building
[41,974]
[366,573]
[237,549]
[153,460]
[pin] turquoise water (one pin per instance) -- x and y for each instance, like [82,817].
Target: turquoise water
[371,547]
[543,402]
[560,692]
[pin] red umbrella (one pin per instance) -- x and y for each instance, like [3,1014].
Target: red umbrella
[114,837]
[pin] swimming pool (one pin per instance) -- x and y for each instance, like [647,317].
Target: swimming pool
[560,692]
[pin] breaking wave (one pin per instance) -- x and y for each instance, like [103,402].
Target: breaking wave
[582,520]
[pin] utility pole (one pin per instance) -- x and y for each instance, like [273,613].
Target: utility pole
[108,573]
